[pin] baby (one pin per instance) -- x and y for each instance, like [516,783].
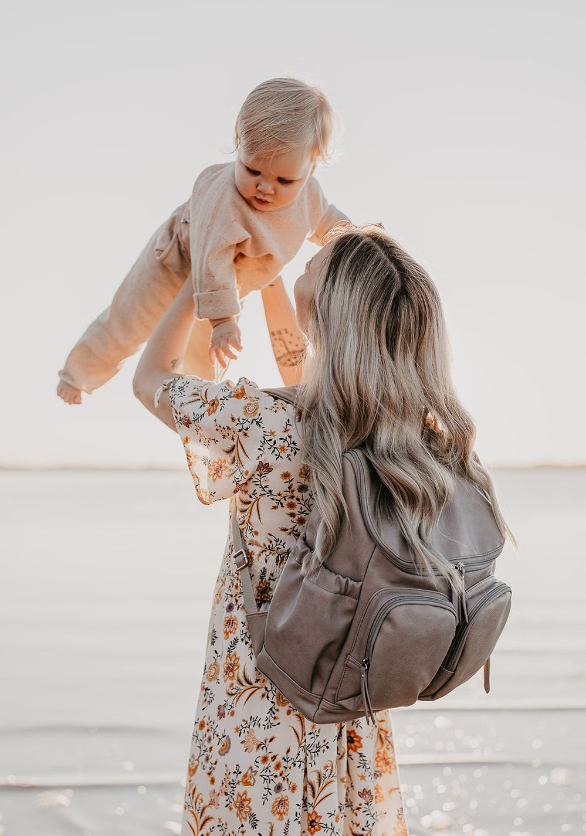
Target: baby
[244,221]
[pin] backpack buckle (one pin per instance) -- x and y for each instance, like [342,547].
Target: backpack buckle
[241,559]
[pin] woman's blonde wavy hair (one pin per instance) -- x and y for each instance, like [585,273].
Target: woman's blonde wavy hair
[377,376]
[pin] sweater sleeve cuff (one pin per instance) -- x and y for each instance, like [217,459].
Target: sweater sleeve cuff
[215,304]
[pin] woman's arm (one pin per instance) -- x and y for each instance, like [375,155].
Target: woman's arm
[161,356]
[287,340]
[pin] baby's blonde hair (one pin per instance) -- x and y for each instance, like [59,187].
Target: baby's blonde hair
[283,114]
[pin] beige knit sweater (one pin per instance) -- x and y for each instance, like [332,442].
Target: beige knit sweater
[230,250]
[236,248]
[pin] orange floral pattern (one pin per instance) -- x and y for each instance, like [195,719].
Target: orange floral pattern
[256,764]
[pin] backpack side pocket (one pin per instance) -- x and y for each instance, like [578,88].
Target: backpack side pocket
[308,621]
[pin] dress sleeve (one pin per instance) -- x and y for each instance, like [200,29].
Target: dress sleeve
[222,429]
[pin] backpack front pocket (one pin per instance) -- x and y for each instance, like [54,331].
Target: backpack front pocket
[408,633]
[474,640]
[308,622]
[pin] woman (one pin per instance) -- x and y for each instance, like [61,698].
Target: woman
[376,374]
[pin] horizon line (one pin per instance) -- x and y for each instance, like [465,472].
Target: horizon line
[169,469]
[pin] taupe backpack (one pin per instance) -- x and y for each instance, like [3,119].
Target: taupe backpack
[365,632]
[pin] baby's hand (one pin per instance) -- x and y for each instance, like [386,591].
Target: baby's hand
[224,335]
[68,394]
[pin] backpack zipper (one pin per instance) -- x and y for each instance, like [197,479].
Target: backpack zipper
[475,562]
[456,650]
[462,609]
[364,665]
[396,600]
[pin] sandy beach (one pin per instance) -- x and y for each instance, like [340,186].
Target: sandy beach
[104,612]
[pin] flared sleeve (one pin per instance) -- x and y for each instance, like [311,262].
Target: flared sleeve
[222,429]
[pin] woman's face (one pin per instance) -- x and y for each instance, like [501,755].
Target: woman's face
[304,287]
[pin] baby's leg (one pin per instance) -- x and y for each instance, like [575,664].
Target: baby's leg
[138,305]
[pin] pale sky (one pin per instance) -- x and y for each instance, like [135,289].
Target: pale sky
[463,133]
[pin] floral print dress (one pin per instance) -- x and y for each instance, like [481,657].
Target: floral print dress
[258,766]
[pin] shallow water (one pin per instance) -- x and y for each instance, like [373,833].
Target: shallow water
[106,588]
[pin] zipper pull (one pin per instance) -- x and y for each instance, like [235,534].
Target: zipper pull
[365,664]
[462,610]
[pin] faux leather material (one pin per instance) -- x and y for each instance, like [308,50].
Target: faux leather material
[365,632]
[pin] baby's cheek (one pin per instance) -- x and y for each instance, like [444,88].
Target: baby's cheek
[290,196]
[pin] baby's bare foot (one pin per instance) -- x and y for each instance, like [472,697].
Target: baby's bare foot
[68,394]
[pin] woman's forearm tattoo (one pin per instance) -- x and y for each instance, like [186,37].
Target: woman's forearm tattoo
[289,348]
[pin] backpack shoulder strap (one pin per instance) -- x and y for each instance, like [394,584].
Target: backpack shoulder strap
[286,393]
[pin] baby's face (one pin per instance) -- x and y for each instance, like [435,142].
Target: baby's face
[269,183]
